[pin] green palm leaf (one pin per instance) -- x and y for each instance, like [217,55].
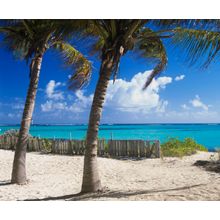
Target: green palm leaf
[151,47]
[198,43]
[74,58]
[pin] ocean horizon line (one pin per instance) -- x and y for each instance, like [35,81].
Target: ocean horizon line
[156,123]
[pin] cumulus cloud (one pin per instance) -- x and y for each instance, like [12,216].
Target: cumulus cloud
[123,95]
[197,103]
[81,102]
[128,96]
[50,90]
[178,78]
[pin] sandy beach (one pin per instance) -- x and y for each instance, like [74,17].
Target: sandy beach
[55,177]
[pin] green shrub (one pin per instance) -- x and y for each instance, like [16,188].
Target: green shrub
[176,148]
[46,144]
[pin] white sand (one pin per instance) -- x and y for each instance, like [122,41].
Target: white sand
[148,179]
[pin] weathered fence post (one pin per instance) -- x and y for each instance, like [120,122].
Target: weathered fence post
[158,151]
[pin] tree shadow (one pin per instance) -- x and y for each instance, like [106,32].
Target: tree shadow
[213,166]
[111,194]
[5,182]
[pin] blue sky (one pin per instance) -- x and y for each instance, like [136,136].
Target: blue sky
[182,94]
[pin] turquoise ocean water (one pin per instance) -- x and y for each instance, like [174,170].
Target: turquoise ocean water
[206,134]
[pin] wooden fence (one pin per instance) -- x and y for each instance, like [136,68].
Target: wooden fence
[111,148]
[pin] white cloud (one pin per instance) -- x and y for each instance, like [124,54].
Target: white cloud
[50,90]
[80,104]
[178,78]
[197,103]
[52,106]
[128,96]
[185,107]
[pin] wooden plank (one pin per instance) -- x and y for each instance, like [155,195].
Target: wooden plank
[119,148]
[123,146]
[73,147]
[130,150]
[34,144]
[126,149]
[57,147]
[136,148]
[99,147]
[62,147]
[116,148]
[148,149]
[133,148]
[81,148]
[158,149]
[109,147]
[66,147]
[113,148]
[77,147]
[142,149]
[69,147]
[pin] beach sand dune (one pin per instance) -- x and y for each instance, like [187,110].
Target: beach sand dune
[55,177]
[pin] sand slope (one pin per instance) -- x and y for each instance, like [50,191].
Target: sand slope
[54,176]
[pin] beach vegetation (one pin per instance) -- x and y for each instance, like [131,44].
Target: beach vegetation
[46,145]
[174,147]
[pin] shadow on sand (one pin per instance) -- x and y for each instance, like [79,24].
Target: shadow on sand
[110,194]
[213,166]
[5,182]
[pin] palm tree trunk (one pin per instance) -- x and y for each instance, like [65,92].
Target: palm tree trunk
[19,164]
[91,181]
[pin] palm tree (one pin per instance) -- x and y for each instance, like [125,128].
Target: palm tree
[29,40]
[115,38]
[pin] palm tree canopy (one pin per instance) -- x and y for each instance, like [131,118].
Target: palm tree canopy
[196,37]
[26,38]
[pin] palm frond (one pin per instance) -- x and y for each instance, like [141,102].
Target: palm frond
[150,46]
[198,44]
[184,23]
[158,69]
[97,46]
[72,57]
[16,40]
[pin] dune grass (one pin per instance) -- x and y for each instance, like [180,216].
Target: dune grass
[174,147]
